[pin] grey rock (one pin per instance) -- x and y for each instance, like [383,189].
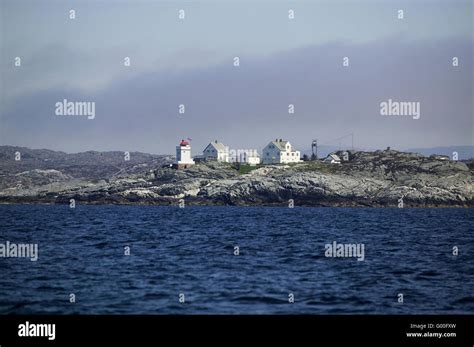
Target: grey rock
[379,178]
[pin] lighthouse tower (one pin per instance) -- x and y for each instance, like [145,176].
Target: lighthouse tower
[183,155]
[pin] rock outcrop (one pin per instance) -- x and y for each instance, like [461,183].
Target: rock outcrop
[380,178]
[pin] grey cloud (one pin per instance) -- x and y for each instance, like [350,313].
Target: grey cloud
[245,107]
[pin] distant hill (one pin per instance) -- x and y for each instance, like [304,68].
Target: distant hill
[89,165]
[464,152]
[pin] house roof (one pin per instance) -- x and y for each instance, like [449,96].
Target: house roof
[219,146]
[280,144]
[333,156]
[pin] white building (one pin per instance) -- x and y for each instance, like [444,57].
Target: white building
[216,151]
[280,151]
[332,159]
[251,158]
[183,155]
[247,156]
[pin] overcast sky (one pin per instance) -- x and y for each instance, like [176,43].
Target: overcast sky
[190,62]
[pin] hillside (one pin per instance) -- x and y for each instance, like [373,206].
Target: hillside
[375,179]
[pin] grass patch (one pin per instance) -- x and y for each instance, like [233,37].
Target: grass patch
[245,168]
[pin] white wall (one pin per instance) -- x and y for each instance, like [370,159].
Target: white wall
[183,155]
[272,155]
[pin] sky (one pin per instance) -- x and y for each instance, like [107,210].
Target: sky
[191,62]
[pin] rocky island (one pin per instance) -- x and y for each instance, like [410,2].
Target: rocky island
[372,179]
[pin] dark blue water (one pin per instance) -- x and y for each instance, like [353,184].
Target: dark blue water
[190,251]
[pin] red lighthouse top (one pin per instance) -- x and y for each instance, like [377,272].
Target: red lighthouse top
[184,143]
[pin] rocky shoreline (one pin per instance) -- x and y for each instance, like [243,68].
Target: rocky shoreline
[367,179]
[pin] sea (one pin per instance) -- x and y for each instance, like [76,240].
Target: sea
[109,259]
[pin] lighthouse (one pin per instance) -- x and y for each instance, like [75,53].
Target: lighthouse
[183,155]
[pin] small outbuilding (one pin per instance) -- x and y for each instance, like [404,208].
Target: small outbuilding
[332,159]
